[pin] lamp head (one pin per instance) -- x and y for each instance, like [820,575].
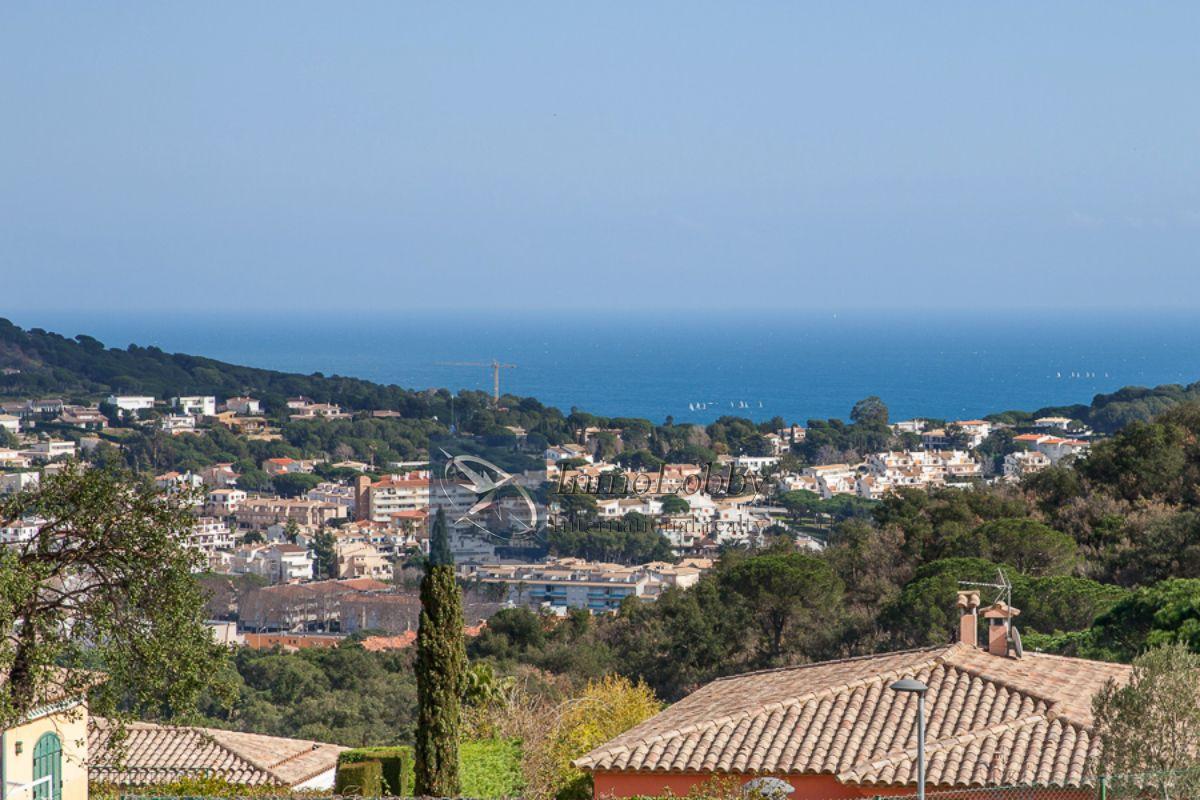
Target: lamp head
[909,685]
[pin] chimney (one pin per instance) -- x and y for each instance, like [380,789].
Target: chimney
[999,617]
[968,621]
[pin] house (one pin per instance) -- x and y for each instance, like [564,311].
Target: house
[975,430]
[49,450]
[210,534]
[223,502]
[261,513]
[45,756]
[10,423]
[13,482]
[1024,462]
[336,494]
[1059,423]
[246,406]
[14,459]
[221,476]
[755,463]
[20,530]
[563,452]
[161,754]
[195,406]
[84,418]
[278,563]
[284,466]
[178,423]
[129,403]
[834,729]
[362,560]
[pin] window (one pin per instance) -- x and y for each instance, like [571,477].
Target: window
[47,762]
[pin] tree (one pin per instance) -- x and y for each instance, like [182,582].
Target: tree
[324,555]
[1029,545]
[674,504]
[106,583]
[1152,723]
[441,665]
[606,708]
[869,411]
[294,484]
[793,598]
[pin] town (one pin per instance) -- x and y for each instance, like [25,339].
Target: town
[345,530]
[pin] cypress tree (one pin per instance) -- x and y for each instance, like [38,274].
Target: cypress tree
[441,670]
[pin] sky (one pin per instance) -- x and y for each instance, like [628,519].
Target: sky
[620,155]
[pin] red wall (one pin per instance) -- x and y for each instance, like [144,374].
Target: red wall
[808,787]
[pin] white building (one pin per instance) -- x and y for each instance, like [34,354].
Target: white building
[197,405]
[10,423]
[210,534]
[277,563]
[224,502]
[13,482]
[1024,462]
[336,493]
[49,450]
[178,423]
[246,406]
[130,403]
[20,530]
[755,463]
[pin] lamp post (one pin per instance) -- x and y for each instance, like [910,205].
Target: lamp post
[910,686]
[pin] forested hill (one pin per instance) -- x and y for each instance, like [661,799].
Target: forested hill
[53,364]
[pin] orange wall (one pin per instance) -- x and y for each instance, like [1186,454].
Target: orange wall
[808,787]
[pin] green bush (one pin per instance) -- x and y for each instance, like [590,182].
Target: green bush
[395,763]
[489,769]
[360,778]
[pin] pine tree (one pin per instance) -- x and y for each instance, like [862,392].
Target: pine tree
[324,555]
[441,670]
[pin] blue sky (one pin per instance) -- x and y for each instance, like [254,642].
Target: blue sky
[394,156]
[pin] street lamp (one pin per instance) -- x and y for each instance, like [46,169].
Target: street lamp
[910,686]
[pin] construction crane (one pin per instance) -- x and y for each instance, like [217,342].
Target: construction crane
[495,366]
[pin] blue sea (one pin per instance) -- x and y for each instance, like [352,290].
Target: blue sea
[696,367]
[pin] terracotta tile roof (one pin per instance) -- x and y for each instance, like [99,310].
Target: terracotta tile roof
[990,720]
[156,754]
[378,644]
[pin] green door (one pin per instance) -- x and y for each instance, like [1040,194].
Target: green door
[47,761]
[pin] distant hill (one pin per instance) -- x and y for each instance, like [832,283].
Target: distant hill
[51,364]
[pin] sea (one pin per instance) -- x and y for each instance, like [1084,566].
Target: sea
[698,366]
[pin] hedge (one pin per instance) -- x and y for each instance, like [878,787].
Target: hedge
[490,768]
[395,764]
[364,778]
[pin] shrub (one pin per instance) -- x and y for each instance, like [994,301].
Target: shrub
[360,778]
[395,764]
[489,768]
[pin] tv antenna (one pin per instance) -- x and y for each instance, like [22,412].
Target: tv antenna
[1003,588]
